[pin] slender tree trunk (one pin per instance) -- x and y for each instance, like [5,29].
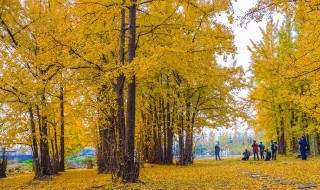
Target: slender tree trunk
[130,173]
[3,164]
[34,144]
[188,146]
[56,157]
[61,165]
[169,136]
[164,125]
[181,141]
[318,142]
[41,142]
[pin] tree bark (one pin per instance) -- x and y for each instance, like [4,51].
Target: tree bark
[61,165]
[3,164]
[188,146]
[169,136]
[130,173]
[34,144]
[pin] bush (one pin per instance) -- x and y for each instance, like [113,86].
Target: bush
[84,159]
[28,162]
[79,159]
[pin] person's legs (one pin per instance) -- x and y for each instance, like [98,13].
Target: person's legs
[262,154]
[272,154]
[216,156]
[275,155]
[303,155]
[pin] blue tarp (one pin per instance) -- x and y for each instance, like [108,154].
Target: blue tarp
[21,157]
[86,152]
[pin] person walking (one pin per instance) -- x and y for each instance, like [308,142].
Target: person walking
[217,151]
[261,148]
[255,150]
[303,147]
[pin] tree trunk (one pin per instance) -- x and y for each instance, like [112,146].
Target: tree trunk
[181,142]
[188,146]
[164,131]
[130,172]
[34,144]
[318,142]
[55,146]
[169,136]
[121,128]
[61,165]
[3,164]
[45,156]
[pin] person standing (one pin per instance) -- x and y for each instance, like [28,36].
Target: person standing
[217,151]
[261,148]
[255,150]
[274,148]
[303,148]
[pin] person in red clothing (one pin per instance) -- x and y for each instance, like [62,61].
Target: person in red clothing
[255,150]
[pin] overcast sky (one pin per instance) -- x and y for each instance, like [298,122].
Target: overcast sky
[243,35]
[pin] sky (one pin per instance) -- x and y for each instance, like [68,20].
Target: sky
[243,36]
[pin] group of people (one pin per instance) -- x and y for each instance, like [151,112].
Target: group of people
[264,153]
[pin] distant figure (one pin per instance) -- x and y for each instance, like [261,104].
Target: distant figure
[261,147]
[268,155]
[255,150]
[303,147]
[246,155]
[217,151]
[274,148]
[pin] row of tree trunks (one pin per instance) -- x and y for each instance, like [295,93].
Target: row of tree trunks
[48,158]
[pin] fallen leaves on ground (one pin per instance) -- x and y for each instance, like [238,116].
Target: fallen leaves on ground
[230,173]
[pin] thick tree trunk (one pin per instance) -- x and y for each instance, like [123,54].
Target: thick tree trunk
[130,172]
[61,164]
[45,156]
[121,128]
[34,144]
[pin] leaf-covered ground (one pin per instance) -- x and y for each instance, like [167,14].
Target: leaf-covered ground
[285,173]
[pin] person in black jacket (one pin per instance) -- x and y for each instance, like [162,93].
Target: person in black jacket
[268,155]
[274,148]
[217,151]
[261,148]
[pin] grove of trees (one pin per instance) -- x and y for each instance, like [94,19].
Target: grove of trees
[285,65]
[124,76]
